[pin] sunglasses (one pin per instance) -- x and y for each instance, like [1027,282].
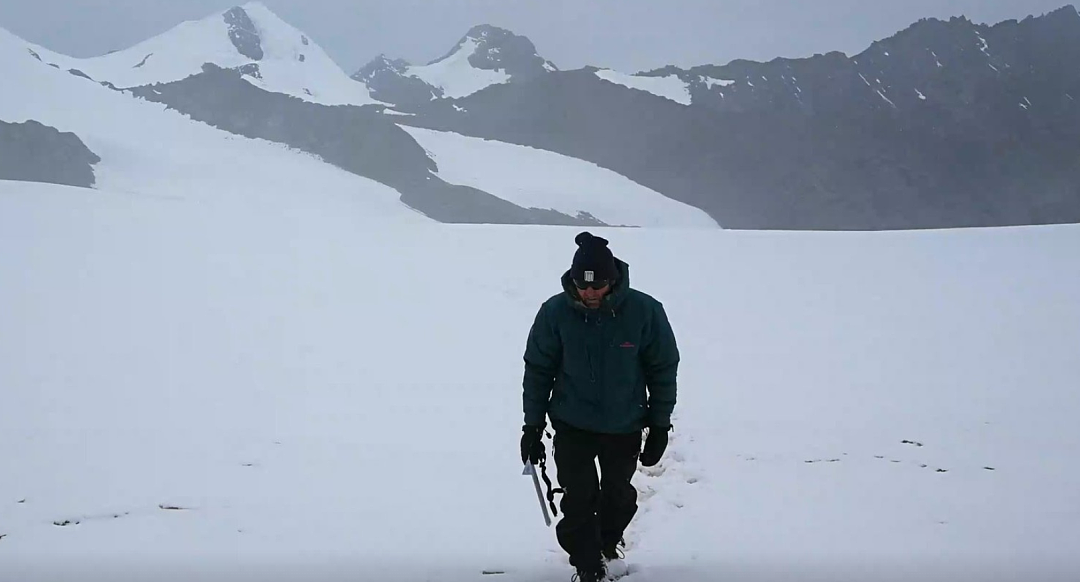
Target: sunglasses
[591,284]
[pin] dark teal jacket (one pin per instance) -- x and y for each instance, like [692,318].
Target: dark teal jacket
[609,370]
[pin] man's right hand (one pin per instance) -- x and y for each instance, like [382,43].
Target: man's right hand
[532,445]
[655,445]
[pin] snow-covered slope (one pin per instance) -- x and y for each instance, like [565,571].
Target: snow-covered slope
[534,178]
[149,150]
[274,56]
[201,392]
[669,87]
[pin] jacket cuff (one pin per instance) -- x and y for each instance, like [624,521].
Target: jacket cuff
[659,420]
[533,419]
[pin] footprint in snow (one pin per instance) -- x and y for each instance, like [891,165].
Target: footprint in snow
[654,471]
[96,517]
[646,493]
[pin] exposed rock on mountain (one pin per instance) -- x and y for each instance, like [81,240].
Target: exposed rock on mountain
[32,152]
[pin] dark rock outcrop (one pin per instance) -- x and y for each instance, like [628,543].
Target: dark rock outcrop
[243,34]
[388,82]
[33,152]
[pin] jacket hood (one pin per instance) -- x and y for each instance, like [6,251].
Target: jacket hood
[612,300]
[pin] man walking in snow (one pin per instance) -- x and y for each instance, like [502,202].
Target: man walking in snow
[601,361]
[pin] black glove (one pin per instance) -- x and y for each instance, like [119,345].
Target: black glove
[655,444]
[532,447]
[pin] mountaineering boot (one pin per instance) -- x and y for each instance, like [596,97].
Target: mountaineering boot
[614,564]
[614,551]
[595,573]
[615,569]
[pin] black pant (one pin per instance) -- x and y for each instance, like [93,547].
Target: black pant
[595,512]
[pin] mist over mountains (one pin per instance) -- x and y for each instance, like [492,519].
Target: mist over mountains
[945,124]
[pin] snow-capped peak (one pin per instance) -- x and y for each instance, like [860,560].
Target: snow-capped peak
[271,54]
[485,56]
[488,47]
[455,76]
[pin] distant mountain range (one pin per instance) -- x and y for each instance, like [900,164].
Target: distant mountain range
[945,124]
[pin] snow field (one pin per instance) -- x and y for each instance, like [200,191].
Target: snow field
[213,392]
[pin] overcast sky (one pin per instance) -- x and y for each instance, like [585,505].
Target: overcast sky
[628,35]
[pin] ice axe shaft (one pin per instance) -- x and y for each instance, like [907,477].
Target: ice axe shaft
[530,469]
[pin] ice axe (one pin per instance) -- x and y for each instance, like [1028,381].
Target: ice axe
[530,469]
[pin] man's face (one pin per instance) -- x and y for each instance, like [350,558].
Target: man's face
[591,295]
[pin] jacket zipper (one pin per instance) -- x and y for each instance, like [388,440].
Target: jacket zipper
[589,350]
[592,367]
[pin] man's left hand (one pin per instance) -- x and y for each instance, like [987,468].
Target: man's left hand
[532,444]
[655,445]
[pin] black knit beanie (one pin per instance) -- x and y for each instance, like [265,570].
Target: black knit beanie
[593,260]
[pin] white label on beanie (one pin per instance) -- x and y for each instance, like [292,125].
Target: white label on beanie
[590,276]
